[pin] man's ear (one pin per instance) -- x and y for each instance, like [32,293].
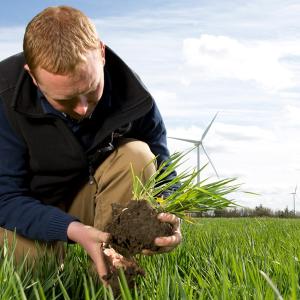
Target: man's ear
[102,51]
[26,67]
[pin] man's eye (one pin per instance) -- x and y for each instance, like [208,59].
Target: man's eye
[69,100]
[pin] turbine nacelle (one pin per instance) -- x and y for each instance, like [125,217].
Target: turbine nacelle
[198,144]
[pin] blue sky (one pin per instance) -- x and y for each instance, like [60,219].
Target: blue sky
[20,12]
[240,58]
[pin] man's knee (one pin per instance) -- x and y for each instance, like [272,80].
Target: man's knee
[137,154]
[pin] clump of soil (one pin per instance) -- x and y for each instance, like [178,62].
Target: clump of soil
[134,228]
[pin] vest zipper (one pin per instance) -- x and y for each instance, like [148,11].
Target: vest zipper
[92,179]
[110,146]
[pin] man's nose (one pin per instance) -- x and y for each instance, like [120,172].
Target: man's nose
[81,106]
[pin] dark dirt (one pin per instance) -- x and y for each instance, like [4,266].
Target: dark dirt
[134,228]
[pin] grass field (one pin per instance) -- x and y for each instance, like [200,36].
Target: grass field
[219,259]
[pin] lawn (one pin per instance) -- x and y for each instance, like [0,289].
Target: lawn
[219,259]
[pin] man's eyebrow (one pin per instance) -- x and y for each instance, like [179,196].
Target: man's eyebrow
[69,97]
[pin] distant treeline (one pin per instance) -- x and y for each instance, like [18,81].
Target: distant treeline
[258,211]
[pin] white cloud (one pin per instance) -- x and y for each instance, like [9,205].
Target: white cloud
[225,57]
[171,106]
[292,114]
[244,133]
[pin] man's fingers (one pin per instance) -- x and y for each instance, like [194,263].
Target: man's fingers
[173,240]
[98,235]
[168,241]
[104,236]
[92,240]
[100,263]
[169,218]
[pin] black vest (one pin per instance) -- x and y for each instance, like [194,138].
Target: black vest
[57,164]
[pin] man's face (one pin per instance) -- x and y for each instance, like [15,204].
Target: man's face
[74,94]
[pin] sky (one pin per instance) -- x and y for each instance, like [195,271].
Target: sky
[240,59]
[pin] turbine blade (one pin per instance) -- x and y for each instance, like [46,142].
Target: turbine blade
[296,189]
[185,140]
[208,127]
[210,161]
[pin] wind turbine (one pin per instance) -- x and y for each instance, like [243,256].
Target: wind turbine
[294,198]
[198,144]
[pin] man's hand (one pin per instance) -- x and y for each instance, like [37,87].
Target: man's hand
[167,243]
[107,261]
[91,239]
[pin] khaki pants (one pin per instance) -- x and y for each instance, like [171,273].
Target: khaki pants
[92,205]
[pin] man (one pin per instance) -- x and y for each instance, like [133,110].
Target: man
[73,119]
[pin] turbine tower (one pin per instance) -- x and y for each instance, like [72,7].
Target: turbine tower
[294,199]
[198,144]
